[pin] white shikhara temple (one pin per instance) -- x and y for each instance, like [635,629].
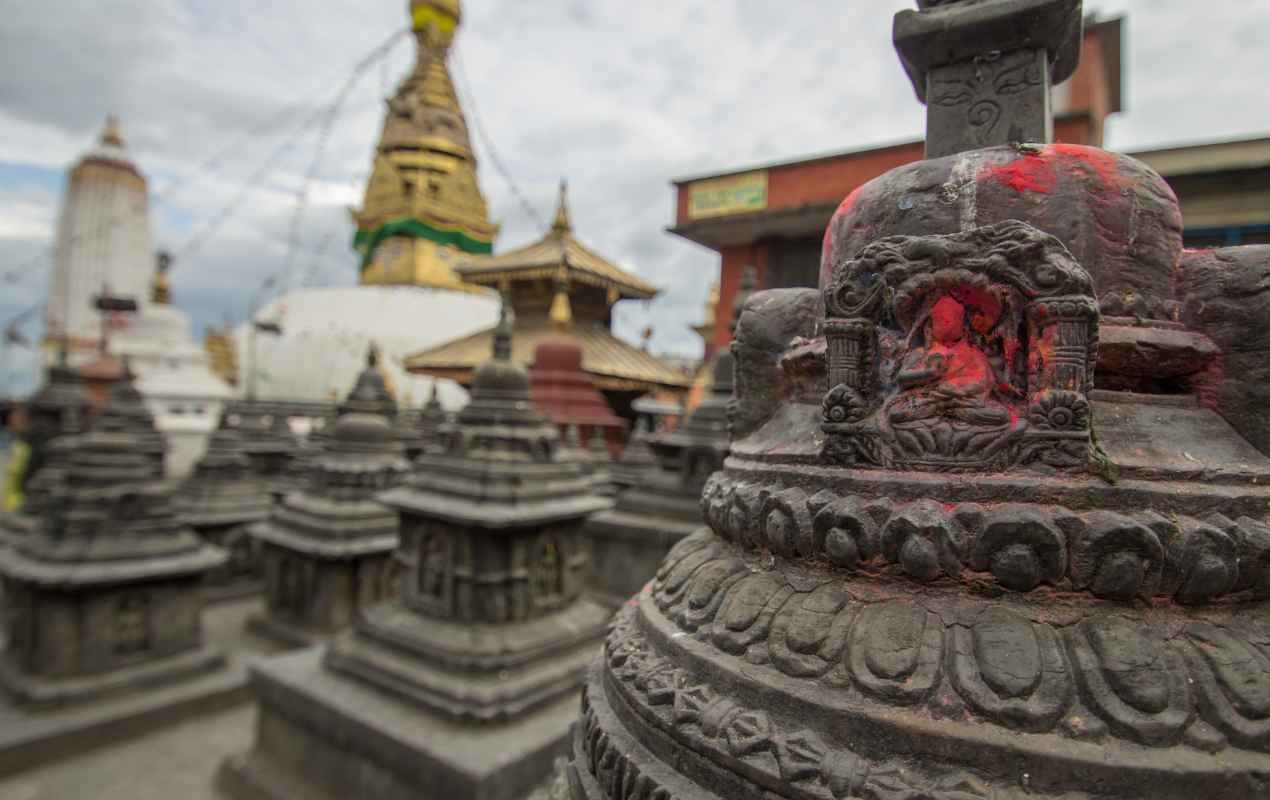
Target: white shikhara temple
[103,243]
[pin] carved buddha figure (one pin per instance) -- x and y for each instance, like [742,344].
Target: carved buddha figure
[949,378]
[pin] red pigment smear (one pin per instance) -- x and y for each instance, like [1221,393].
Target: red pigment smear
[826,247]
[1099,161]
[1030,173]
[984,305]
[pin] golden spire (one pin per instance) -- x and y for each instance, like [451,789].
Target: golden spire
[561,312]
[423,210]
[110,135]
[160,289]
[561,223]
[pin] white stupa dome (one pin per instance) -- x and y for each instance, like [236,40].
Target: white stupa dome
[326,333]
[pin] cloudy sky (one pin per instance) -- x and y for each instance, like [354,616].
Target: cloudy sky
[221,103]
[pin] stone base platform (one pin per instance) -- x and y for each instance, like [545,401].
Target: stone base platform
[322,737]
[234,590]
[32,736]
[282,633]
[39,691]
[29,737]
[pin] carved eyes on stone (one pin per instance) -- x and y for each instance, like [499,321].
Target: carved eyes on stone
[951,94]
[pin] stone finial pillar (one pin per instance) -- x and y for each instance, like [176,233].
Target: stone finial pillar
[984,69]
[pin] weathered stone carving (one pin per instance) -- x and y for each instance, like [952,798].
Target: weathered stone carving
[984,69]
[960,353]
[982,558]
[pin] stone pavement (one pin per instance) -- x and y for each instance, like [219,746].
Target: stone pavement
[175,761]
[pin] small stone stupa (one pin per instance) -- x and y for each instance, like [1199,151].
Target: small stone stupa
[271,447]
[629,541]
[467,684]
[55,414]
[327,549]
[971,541]
[104,595]
[637,458]
[220,500]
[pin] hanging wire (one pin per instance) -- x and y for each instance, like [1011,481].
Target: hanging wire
[329,117]
[469,101]
[207,167]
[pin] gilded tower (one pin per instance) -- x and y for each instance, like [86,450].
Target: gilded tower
[423,208]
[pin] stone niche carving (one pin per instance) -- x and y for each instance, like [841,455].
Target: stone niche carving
[960,353]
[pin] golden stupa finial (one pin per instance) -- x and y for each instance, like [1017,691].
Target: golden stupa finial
[110,135]
[160,289]
[436,19]
[561,312]
[561,223]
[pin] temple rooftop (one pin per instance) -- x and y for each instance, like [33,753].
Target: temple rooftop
[558,288]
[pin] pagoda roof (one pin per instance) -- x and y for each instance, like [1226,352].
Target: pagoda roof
[559,250]
[613,363]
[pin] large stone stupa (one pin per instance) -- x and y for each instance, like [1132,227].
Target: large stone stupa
[981,534]
[466,685]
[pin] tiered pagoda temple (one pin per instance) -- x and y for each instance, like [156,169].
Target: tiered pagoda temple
[982,532]
[558,286]
[105,594]
[327,549]
[466,685]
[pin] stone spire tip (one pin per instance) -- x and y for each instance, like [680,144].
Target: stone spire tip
[110,135]
[503,333]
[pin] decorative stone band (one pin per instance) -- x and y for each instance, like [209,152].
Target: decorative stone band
[1087,672]
[726,742]
[972,352]
[367,242]
[849,675]
[1114,556]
